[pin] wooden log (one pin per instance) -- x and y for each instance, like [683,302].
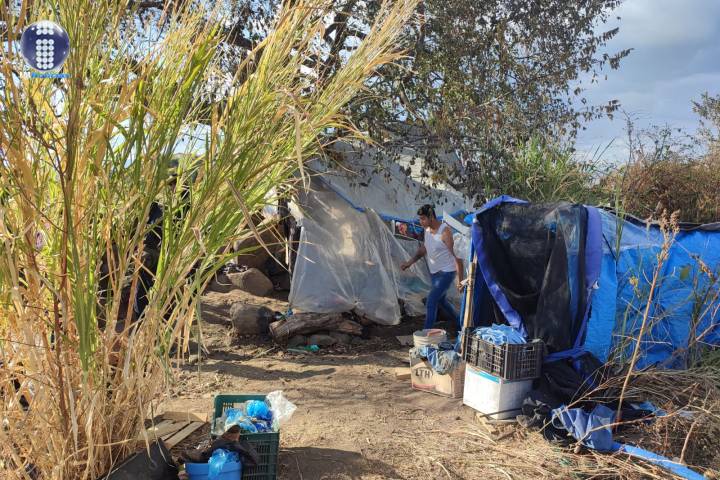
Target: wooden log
[307,323]
[349,327]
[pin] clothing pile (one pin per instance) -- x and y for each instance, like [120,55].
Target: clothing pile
[442,357]
[500,334]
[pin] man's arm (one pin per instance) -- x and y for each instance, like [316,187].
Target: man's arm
[418,255]
[449,242]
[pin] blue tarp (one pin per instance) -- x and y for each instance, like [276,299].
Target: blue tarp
[626,251]
[628,262]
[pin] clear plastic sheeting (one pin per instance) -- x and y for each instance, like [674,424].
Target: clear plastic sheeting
[350,261]
[342,261]
[413,283]
[368,179]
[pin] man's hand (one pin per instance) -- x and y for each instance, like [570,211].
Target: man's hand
[418,255]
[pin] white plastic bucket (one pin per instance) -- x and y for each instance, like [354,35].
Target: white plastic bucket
[432,336]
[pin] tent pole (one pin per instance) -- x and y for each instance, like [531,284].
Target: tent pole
[469,290]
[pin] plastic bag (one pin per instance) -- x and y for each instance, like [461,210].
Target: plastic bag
[233,416]
[258,409]
[218,460]
[262,425]
[282,409]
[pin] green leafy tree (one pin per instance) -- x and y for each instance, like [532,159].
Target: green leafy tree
[479,77]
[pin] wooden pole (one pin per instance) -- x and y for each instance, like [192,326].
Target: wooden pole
[469,290]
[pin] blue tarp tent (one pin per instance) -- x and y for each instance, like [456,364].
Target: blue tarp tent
[599,283]
[685,303]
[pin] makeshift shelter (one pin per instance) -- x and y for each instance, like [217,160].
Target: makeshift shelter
[579,278]
[348,255]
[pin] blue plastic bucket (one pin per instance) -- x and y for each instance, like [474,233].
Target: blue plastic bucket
[199,471]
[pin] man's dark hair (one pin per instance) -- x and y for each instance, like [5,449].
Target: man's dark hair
[427,210]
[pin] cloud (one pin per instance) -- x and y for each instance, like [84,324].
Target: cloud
[675,59]
[662,23]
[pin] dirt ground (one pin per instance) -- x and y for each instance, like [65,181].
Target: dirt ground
[354,420]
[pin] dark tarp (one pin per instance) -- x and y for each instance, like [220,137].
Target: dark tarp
[532,259]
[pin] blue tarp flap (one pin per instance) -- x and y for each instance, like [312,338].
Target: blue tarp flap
[664,462]
[591,429]
[628,263]
[488,283]
[593,263]
[470,218]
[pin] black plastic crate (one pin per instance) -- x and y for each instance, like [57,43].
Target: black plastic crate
[266,444]
[507,361]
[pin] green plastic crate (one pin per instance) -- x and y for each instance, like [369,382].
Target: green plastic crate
[266,444]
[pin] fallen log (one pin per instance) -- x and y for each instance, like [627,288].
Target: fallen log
[307,323]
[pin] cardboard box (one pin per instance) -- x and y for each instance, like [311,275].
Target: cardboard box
[424,378]
[490,394]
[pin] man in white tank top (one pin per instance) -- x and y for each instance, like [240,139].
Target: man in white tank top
[444,266]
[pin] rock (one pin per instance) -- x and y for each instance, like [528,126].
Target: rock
[343,338]
[250,319]
[297,341]
[215,306]
[221,284]
[252,281]
[354,340]
[252,254]
[321,340]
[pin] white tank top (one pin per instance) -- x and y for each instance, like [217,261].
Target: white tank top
[439,257]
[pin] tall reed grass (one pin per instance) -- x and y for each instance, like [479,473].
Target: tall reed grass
[83,164]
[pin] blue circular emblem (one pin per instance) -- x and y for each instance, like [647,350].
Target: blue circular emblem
[45,46]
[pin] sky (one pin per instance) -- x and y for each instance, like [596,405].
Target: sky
[676,58]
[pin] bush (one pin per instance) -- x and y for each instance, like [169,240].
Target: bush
[668,172]
[537,172]
[690,187]
[545,173]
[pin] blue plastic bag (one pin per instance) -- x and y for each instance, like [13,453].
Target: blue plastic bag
[262,425]
[218,460]
[258,409]
[247,425]
[237,416]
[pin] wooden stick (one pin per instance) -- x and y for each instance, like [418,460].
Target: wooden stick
[469,290]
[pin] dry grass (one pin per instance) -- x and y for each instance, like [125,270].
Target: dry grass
[649,186]
[689,433]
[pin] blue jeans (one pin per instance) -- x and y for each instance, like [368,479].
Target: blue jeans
[437,297]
